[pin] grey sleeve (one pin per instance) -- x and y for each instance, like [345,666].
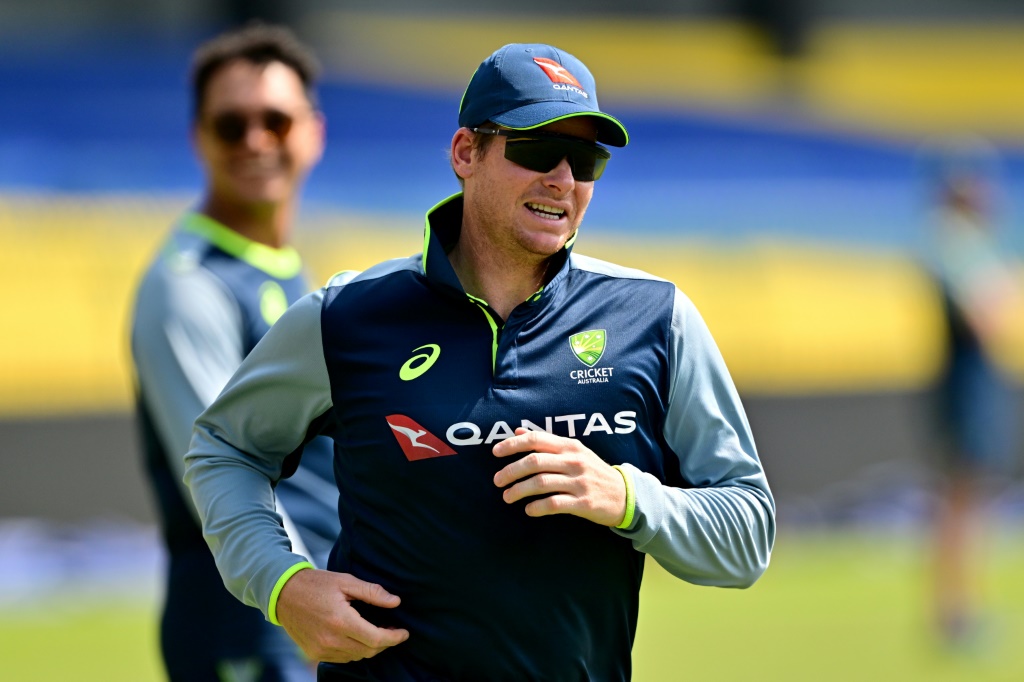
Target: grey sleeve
[186,343]
[721,531]
[239,445]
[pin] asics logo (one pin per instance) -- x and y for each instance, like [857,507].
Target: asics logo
[418,364]
[416,442]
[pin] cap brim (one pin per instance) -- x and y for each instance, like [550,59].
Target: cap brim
[609,130]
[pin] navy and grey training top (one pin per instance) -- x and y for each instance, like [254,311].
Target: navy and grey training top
[201,307]
[416,380]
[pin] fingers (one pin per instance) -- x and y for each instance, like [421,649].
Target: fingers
[345,651]
[530,465]
[540,484]
[346,648]
[315,609]
[554,504]
[568,478]
[361,630]
[370,593]
[561,495]
[547,453]
[347,636]
[531,441]
[372,637]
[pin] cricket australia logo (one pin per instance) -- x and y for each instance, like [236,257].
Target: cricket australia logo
[588,347]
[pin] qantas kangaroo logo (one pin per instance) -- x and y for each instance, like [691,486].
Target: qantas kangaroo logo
[413,436]
[556,72]
[416,442]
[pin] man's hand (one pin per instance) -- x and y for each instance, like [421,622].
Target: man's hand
[314,608]
[576,480]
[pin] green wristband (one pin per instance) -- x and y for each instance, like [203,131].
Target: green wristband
[285,577]
[627,520]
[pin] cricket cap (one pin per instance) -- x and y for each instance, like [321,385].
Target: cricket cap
[526,86]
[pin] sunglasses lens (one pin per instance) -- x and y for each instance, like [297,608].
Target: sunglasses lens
[536,155]
[586,161]
[230,128]
[587,167]
[277,123]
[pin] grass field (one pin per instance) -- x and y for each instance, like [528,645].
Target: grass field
[837,606]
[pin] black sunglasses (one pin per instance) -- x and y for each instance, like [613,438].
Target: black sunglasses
[542,152]
[231,127]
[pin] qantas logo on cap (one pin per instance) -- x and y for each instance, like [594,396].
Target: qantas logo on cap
[416,441]
[556,72]
[560,76]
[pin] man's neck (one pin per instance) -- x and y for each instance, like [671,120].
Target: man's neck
[501,279]
[269,225]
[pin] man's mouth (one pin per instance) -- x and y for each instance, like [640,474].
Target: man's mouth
[545,211]
[258,168]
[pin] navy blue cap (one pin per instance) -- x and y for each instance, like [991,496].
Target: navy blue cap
[525,86]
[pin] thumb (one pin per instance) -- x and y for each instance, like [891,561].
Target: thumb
[370,593]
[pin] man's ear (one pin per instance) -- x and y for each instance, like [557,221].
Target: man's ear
[462,152]
[320,135]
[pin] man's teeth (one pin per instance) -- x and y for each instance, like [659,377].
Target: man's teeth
[545,211]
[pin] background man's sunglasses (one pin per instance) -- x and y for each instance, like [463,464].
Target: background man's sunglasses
[231,127]
[541,152]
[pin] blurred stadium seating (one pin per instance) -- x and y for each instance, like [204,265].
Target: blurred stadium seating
[781,193]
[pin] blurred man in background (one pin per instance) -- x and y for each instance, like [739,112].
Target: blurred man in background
[975,416]
[223,277]
[517,427]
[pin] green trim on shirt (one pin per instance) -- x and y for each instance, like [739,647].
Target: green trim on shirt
[285,577]
[283,263]
[426,229]
[494,328]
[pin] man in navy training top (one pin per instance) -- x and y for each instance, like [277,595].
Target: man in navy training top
[515,426]
[222,278]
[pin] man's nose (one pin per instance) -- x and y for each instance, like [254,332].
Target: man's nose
[258,137]
[560,177]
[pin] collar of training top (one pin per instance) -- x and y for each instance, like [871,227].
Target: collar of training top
[440,234]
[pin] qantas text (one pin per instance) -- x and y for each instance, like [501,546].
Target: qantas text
[570,88]
[571,425]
